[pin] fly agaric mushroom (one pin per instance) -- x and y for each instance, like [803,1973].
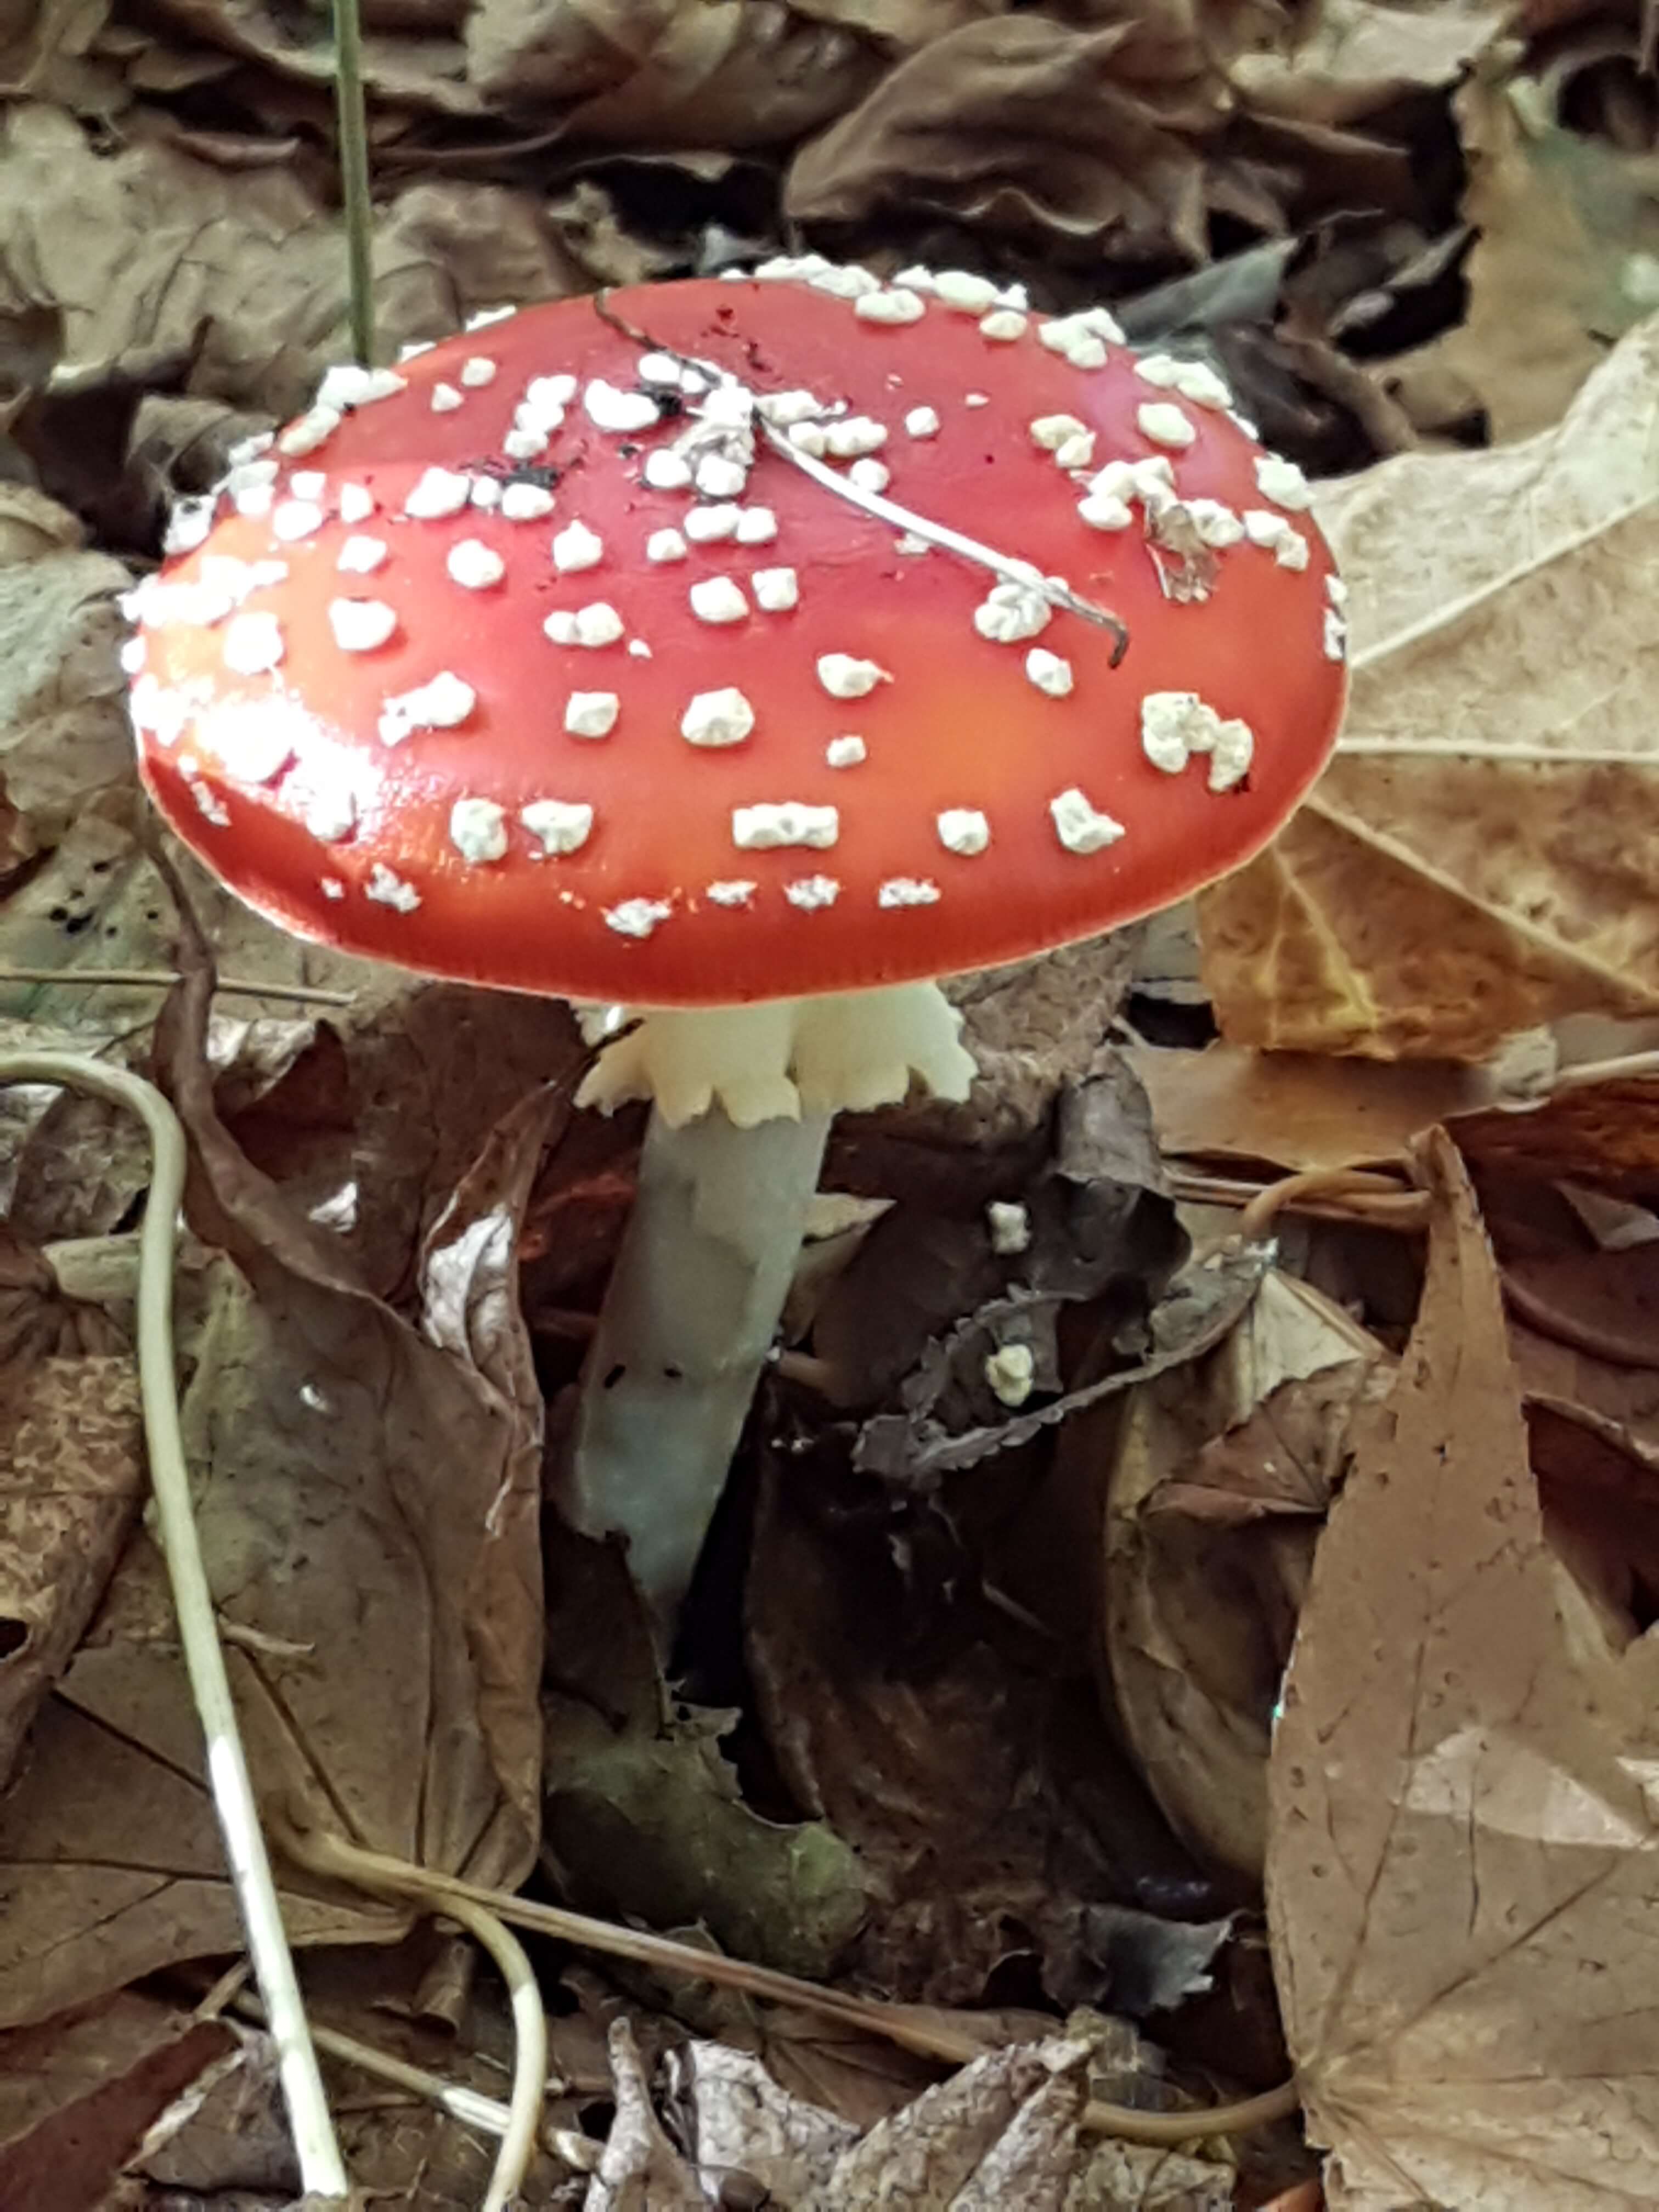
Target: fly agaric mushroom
[753,654]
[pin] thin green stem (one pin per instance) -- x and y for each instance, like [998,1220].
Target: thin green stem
[353,175]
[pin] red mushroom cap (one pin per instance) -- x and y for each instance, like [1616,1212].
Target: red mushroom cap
[426,680]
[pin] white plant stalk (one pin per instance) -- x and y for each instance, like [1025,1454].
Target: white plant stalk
[322,2171]
[687,1326]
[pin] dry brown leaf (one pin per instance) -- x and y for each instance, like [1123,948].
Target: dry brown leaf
[64,731]
[71,1476]
[905,24]
[1360,55]
[1004,2131]
[1230,1107]
[747,2125]
[1566,232]
[369,1501]
[412,70]
[1431,904]
[1221,1474]
[1023,123]
[1295,1111]
[1462,1872]
[147,249]
[657,73]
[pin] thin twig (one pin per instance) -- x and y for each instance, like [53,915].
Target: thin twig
[886,510]
[1372,1197]
[916,2030]
[380,1874]
[350,110]
[322,2171]
[471,2108]
[163,979]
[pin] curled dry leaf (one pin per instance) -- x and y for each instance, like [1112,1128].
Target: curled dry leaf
[1486,863]
[1460,1874]
[1220,1478]
[656,73]
[413,71]
[1024,124]
[1003,2131]
[639,2170]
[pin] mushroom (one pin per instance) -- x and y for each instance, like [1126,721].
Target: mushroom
[749,655]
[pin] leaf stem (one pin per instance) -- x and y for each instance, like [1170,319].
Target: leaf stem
[353,175]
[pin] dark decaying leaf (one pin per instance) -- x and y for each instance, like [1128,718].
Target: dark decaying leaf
[950,1422]
[643,1816]
[77,2095]
[1101,1232]
[993,1823]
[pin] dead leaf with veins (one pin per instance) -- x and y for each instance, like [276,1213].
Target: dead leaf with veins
[1478,858]
[1463,1866]
[369,1501]
[1023,122]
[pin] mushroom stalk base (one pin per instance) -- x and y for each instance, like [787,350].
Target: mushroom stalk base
[688,1322]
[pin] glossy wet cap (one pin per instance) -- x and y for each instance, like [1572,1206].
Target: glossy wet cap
[555,658]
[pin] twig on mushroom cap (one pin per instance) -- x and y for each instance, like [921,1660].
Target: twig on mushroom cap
[1007,566]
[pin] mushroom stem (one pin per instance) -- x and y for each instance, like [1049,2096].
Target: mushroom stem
[687,1325]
